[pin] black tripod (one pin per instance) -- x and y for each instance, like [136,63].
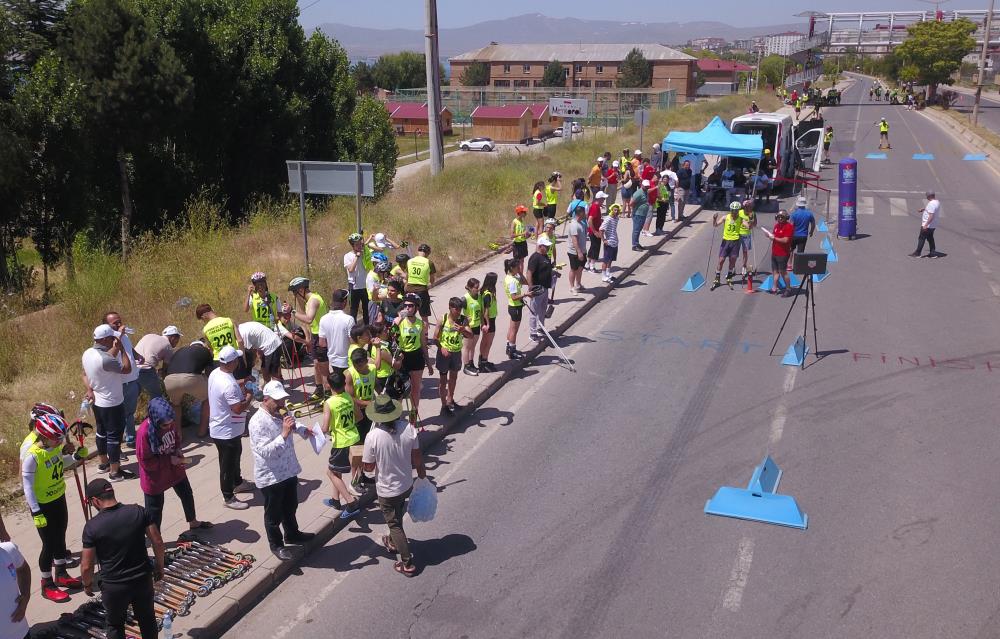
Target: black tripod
[807,285]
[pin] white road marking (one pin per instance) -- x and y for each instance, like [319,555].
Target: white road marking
[866,205]
[968,206]
[887,191]
[781,411]
[306,609]
[975,251]
[996,288]
[984,267]
[732,598]
[897,207]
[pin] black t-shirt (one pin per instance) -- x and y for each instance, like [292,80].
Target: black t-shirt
[390,309]
[190,359]
[540,267]
[118,535]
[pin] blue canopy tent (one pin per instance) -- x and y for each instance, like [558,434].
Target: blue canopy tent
[715,139]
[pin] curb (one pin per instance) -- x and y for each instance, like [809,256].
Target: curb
[274,571]
[968,135]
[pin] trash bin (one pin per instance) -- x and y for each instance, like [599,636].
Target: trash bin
[847,198]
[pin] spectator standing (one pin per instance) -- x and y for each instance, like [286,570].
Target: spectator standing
[450,330]
[103,375]
[612,175]
[539,273]
[420,275]
[640,208]
[656,158]
[929,216]
[663,204]
[313,308]
[155,351]
[488,302]
[609,237]
[805,225]
[596,177]
[116,538]
[15,591]
[162,465]
[577,242]
[781,239]
[130,380]
[684,178]
[262,304]
[335,332]
[357,263]
[392,451]
[276,469]
[636,163]
[595,215]
[187,374]
[340,417]
[228,402]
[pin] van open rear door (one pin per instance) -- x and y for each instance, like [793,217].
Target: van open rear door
[808,147]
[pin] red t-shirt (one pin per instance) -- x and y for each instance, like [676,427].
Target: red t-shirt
[648,172]
[782,229]
[612,175]
[594,218]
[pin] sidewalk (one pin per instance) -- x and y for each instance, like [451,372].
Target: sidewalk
[241,531]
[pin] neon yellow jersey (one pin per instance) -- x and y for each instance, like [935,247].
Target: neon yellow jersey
[364,384]
[883,127]
[220,332]
[509,280]
[343,431]
[731,228]
[744,217]
[489,300]
[473,310]
[418,271]
[551,195]
[384,369]
[264,308]
[411,333]
[49,484]
[520,231]
[538,200]
[451,338]
[551,251]
[320,312]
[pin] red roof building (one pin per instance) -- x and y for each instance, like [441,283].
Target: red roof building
[410,117]
[721,77]
[507,123]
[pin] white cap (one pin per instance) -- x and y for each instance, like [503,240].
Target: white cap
[637,152]
[103,332]
[170,331]
[275,390]
[600,195]
[656,145]
[380,240]
[615,164]
[600,158]
[645,182]
[228,354]
[801,201]
[665,172]
[544,241]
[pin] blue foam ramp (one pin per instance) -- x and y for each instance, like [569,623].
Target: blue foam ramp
[975,157]
[831,256]
[822,227]
[923,156]
[876,156]
[759,501]
[796,353]
[693,283]
[826,243]
[819,277]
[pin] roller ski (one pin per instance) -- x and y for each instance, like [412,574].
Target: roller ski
[729,280]
[310,406]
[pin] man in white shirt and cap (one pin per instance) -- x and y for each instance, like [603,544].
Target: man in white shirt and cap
[228,402]
[156,349]
[104,373]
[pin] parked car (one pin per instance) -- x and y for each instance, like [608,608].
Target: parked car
[477,144]
[577,128]
[557,133]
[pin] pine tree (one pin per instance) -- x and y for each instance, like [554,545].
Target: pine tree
[636,72]
[555,75]
[476,74]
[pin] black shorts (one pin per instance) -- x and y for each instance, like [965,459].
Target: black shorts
[550,210]
[799,243]
[363,427]
[594,250]
[493,325]
[271,364]
[413,361]
[515,313]
[476,330]
[520,250]
[448,362]
[779,263]
[538,213]
[729,248]
[610,254]
[340,460]
[575,263]
[319,354]
[425,303]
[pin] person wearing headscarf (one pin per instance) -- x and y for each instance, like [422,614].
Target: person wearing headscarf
[162,464]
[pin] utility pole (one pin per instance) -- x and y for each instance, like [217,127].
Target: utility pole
[434,141]
[982,65]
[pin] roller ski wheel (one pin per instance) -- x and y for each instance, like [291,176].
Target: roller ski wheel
[729,281]
[715,284]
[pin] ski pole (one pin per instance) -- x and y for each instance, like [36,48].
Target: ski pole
[711,243]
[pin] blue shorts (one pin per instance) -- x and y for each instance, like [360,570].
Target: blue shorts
[747,242]
[610,254]
[729,248]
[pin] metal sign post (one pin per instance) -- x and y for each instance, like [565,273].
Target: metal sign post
[641,118]
[329,178]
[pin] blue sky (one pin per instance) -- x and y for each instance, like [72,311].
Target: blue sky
[459,13]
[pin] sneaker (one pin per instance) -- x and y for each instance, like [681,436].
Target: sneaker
[130,443]
[487,366]
[52,593]
[606,278]
[103,468]
[914,254]
[347,513]
[446,410]
[121,475]
[354,490]
[470,369]
[935,255]
[65,581]
[300,537]
[332,503]
[245,487]
[454,406]
[744,272]
[235,504]
[536,337]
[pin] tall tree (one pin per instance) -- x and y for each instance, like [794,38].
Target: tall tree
[363,78]
[374,140]
[934,51]
[636,72]
[36,25]
[772,69]
[134,83]
[403,70]
[476,74]
[554,75]
[11,162]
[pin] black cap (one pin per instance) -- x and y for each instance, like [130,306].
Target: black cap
[359,355]
[340,296]
[99,488]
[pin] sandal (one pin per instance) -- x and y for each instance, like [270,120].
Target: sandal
[387,544]
[405,569]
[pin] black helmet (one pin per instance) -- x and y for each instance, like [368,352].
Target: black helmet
[398,386]
[413,298]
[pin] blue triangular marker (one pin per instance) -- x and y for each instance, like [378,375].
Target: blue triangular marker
[819,277]
[822,227]
[796,353]
[767,285]
[693,283]
[975,157]
[769,282]
[759,501]
[923,156]
[826,243]
[831,256]
[876,156]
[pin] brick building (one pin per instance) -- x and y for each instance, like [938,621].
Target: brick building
[514,66]
[721,76]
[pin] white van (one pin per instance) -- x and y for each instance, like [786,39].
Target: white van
[778,133]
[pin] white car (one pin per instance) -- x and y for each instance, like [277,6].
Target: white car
[577,128]
[557,133]
[477,144]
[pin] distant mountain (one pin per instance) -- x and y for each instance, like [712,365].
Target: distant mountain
[536,28]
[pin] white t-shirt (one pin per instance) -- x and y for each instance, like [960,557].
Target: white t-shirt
[356,276]
[390,452]
[260,337]
[10,561]
[671,178]
[335,327]
[127,350]
[105,375]
[933,208]
[155,349]
[223,392]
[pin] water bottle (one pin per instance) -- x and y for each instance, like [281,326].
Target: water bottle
[84,409]
[168,626]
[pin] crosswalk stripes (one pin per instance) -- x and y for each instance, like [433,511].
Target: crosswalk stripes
[866,205]
[897,207]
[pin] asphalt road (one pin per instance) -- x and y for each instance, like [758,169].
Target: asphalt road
[572,507]
[989,108]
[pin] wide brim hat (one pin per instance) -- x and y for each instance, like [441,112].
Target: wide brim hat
[383,410]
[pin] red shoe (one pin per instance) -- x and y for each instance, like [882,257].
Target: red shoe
[52,593]
[65,581]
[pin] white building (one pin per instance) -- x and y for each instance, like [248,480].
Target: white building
[781,43]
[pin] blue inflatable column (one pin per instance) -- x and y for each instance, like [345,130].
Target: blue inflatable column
[847,198]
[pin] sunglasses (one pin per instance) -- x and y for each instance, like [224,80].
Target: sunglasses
[410,304]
